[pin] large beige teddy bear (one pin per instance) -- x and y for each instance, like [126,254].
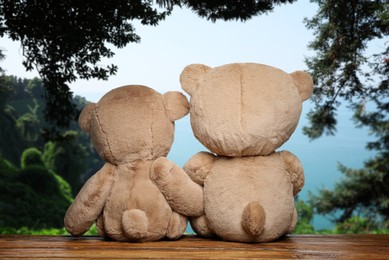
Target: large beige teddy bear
[243,190]
[130,127]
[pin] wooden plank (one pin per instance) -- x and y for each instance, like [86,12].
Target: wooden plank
[301,246]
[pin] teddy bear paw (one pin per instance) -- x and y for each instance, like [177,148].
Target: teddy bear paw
[161,170]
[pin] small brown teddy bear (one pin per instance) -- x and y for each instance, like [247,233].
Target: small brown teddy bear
[130,127]
[242,113]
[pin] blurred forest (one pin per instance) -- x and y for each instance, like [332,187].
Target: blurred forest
[39,178]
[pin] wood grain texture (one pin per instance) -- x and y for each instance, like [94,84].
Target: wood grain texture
[301,246]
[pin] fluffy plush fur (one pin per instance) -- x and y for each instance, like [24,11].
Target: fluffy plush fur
[242,113]
[130,127]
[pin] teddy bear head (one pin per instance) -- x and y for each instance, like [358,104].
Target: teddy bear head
[244,109]
[133,122]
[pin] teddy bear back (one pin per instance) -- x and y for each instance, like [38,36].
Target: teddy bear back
[244,109]
[129,123]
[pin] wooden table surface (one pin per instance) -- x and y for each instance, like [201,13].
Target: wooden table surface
[299,246]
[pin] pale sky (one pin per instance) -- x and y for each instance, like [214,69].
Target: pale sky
[278,39]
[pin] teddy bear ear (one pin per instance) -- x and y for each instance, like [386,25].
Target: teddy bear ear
[303,82]
[176,105]
[190,75]
[85,117]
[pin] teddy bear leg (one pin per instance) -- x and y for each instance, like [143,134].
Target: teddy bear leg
[253,218]
[294,221]
[177,225]
[135,224]
[200,226]
[182,194]
[100,227]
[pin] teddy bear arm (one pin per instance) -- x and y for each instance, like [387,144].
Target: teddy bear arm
[182,194]
[89,202]
[295,169]
[199,166]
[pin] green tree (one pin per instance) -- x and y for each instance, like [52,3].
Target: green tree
[31,156]
[7,168]
[305,214]
[355,225]
[9,137]
[33,196]
[341,68]
[28,124]
[345,71]
[67,158]
[71,155]
[227,10]
[66,40]
[1,69]
[35,88]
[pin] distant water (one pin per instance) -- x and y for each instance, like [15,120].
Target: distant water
[319,157]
